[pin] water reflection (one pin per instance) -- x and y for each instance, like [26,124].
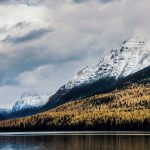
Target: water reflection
[75,142]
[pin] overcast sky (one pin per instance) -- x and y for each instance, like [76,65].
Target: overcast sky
[44,43]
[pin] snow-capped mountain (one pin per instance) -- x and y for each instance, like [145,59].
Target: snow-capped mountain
[130,63]
[132,56]
[30,100]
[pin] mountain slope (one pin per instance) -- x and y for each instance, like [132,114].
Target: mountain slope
[126,109]
[4,113]
[132,56]
[140,77]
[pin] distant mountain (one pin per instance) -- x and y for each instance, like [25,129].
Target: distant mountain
[28,104]
[30,100]
[132,56]
[4,113]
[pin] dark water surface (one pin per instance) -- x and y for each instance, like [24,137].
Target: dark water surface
[75,141]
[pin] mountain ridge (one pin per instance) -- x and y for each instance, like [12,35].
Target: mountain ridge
[132,56]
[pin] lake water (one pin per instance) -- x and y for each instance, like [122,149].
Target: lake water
[75,141]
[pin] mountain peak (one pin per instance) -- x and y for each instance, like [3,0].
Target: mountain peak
[132,56]
[136,41]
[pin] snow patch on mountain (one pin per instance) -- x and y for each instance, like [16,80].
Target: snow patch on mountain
[132,56]
[30,100]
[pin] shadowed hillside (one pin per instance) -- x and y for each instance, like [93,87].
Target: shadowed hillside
[100,86]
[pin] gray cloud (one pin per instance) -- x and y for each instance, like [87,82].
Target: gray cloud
[32,35]
[106,1]
[27,2]
[3,1]
[80,1]
[20,24]
[27,60]
[103,1]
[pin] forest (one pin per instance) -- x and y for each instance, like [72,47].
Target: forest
[123,109]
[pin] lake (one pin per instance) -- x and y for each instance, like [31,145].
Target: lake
[75,141]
